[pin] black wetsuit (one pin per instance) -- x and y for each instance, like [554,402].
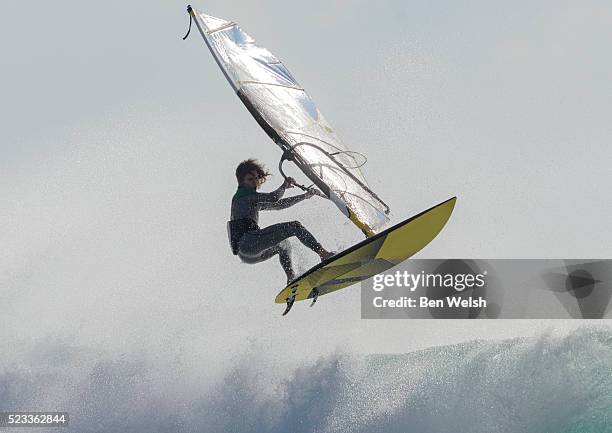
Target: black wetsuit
[253,244]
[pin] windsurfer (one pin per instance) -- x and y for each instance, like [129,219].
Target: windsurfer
[247,240]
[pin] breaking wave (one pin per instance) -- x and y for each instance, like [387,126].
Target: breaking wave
[544,384]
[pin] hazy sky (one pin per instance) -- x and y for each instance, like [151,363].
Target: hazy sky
[119,142]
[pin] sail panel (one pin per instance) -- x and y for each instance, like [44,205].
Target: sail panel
[278,98]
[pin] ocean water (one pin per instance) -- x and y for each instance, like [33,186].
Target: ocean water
[549,383]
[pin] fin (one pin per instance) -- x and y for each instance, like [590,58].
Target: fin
[290,300]
[315,296]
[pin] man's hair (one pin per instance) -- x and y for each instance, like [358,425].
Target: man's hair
[251,166]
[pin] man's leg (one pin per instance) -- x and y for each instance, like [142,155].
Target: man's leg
[259,245]
[284,255]
[309,240]
[259,240]
[295,228]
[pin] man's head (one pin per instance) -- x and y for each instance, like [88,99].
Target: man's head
[251,173]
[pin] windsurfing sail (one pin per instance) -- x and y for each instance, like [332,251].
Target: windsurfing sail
[291,119]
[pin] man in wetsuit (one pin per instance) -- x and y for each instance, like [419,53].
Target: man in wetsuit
[247,240]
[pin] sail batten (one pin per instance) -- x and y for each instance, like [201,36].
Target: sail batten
[292,120]
[272,84]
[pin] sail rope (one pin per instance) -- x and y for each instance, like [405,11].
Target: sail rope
[190,20]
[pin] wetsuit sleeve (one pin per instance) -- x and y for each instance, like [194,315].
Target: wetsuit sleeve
[283,203]
[262,198]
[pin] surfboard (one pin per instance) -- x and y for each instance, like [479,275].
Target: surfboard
[372,256]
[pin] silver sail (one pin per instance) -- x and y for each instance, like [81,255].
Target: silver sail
[289,116]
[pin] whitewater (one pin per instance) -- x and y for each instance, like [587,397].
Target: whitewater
[539,384]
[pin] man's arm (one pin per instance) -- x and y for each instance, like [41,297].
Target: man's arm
[271,197]
[290,201]
[265,198]
[283,203]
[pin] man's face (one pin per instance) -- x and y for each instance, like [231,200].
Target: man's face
[250,180]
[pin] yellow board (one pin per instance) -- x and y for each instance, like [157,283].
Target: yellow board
[371,256]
